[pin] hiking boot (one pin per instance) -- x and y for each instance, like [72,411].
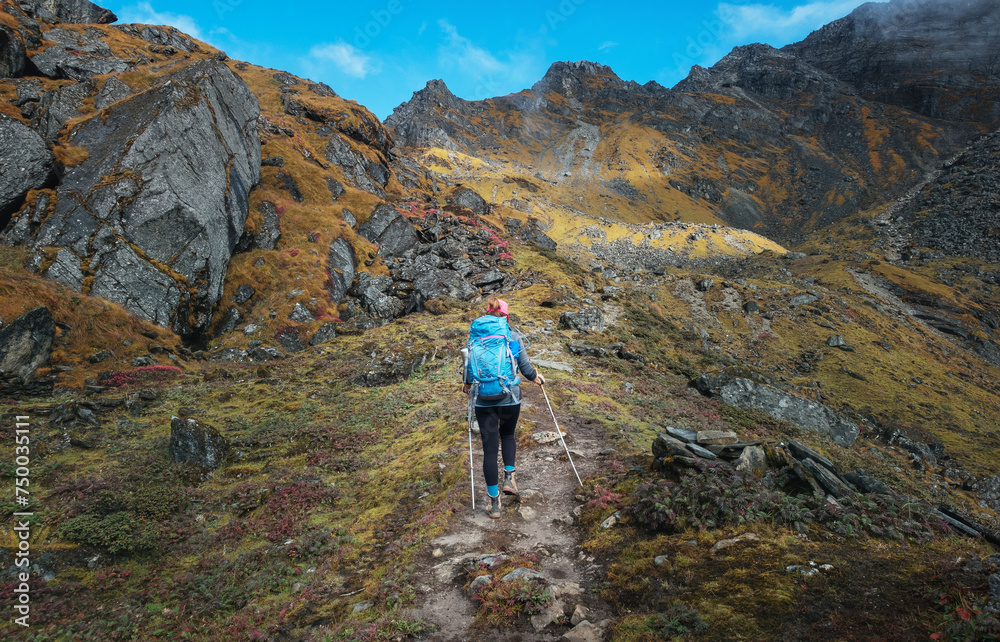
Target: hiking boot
[494,507]
[509,486]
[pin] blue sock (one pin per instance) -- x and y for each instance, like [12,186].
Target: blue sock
[508,469]
[493,491]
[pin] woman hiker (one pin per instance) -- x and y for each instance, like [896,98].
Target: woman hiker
[497,413]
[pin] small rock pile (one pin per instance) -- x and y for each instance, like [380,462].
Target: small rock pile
[679,446]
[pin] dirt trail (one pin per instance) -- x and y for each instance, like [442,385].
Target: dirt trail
[541,521]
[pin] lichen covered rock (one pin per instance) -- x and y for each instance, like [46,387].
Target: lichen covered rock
[157,209]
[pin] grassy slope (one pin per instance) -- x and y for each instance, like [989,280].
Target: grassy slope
[350,474]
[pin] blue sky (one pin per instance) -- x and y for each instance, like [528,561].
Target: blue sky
[378,53]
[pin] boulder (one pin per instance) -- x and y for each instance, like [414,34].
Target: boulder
[586,320]
[685,435]
[336,188]
[373,293]
[752,460]
[230,319]
[326,332]
[197,445]
[301,314]
[160,202]
[665,445]
[436,283]
[585,631]
[866,483]
[263,353]
[393,365]
[243,294]
[387,229]
[717,437]
[468,199]
[25,164]
[989,491]
[803,299]
[826,478]
[26,343]
[341,267]
[534,234]
[289,339]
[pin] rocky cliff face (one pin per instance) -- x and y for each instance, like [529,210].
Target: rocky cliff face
[939,59]
[154,187]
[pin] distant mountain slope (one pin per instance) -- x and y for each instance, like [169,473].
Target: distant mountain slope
[957,213]
[779,141]
[760,141]
[939,59]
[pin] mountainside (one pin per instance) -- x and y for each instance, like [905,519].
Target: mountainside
[232,303]
[939,59]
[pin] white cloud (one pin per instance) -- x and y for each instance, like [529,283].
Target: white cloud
[144,13]
[460,52]
[605,46]
[767,23]
[487,74]
[347,58]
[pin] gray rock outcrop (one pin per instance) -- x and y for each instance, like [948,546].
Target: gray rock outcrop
[68,11]
[26,343]
[12,53]
[160,203]
[25,164]
[198,445]
[358,169]
[77,56]
[341,267]
[989,491]
[470,200]
[387,228]
[587,320]
[746,393]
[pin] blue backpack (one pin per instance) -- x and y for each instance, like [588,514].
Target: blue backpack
[492,365]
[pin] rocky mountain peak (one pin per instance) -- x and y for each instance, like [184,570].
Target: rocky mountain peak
[761,70]
[435,97]
[577,78]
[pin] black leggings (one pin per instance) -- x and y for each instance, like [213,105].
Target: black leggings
[496,427]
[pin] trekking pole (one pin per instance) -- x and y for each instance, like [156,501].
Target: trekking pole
[560,433]
[472,472]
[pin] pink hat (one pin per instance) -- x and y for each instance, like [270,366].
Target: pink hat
[502,309]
